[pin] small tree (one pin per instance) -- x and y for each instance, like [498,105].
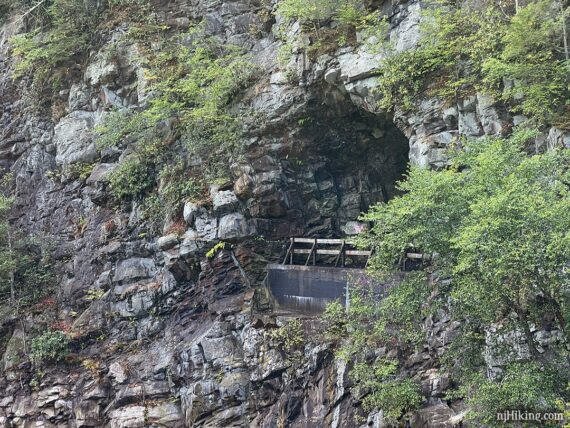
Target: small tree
[497,223]
[51,346]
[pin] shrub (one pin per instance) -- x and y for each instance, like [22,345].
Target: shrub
[193,87]
[317,12]
[51,346]
[177,186]
[290,336]
[62,32]
[214,250]
[132,178]
[347,17]
[497,221]
[527,386]
[380,388]
[481,46]
[335,320]
[49,56]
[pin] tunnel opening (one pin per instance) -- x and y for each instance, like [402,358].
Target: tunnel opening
[341,161]
[346,160]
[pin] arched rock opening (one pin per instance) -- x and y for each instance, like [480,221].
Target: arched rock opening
[335,162]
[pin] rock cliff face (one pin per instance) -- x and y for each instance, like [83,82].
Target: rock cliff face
[174,338]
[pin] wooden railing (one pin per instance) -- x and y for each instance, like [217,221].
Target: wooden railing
[323,247]
[313,247]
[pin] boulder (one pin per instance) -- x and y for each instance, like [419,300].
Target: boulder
[243,186]
[206,228]
[100,71]
[79,97]
[134,269]
[14,353]
[191,211]
[234,226]
[407,34]
[225,201]
[118,373]
[189,245]
[73,139]
[162,413]
[101,173]
[357,66]
[167,242]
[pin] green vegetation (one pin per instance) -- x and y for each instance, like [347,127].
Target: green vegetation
[214,250]
[496,223]
[345,17]
[367,326]
[197,85]
[290,336]
[526,385]
[50,347]
[133,177]
[26,273]
[61,33]
[53,50]
[8,261]
[316,13]
[380,388]
[187,133]
[518,56]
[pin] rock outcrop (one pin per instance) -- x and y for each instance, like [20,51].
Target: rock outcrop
[162,334]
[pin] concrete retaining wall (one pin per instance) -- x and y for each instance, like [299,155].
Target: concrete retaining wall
[308,289]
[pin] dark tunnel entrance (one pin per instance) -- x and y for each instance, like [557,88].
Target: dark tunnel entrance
[347,161]
[343,161]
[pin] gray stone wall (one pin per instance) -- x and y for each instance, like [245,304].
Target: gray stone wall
[175,338]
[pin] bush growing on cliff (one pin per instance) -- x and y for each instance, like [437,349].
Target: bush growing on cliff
[516,55]
[26,272]
[496,222]
[346,17]
[59,35]
[524,385]
[289,336]
[51,346]
[50,54]
[192,89]
[368,326]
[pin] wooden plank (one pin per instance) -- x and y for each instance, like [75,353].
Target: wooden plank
[330,241]
[303,240]
[358,253]
[329,252]
[418,256]
[368,259]
[339,254]
[320,241]
[318,251]
[301,251]
[288,252]
[311,253]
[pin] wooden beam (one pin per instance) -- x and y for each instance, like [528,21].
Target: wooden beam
[368,259]
[339,254]
[321,241]
[358,253]
[318,251]
[417,256]
[288,252]
[311,253]
[303,240]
